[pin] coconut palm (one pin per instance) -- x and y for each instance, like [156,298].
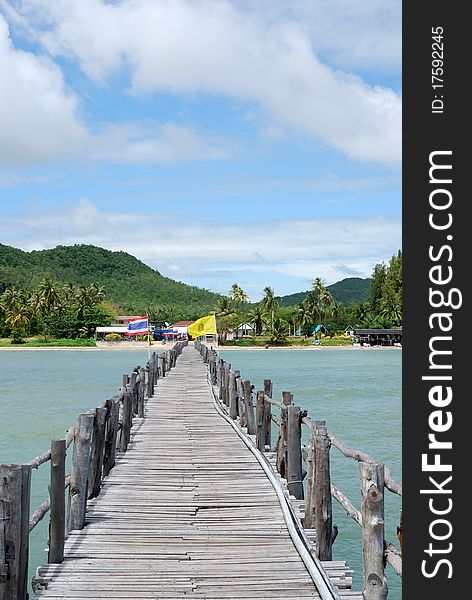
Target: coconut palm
[256,317]
[225,313]
[96,293]
[10,299]
[269,303]
[391,309]
[49,293]
[278,331]
[238,294]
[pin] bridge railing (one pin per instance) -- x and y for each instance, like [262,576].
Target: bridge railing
[253,410]
[96,438]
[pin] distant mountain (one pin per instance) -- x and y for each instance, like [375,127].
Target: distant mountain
[346,291]
[127,281]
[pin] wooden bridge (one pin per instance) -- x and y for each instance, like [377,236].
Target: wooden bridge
[180,495]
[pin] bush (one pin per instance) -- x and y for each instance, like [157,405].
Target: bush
[113,337]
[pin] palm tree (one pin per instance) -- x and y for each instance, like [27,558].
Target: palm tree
[277,331]
[49,293]
[225,311]
[96,293]
[10,299]
[391,309]
[257,318]
[238,294]
[269,303]
[18,317]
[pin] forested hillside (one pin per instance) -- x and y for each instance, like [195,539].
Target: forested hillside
[127,282]
[347,291]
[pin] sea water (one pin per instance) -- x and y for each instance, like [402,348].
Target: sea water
[358,393]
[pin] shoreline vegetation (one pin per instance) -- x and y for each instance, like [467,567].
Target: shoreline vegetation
[66,313]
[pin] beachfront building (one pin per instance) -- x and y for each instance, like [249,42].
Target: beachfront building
[378,337]
[123,320]
[244,330]
[182,328]
[101,332]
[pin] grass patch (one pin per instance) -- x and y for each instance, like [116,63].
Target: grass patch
[35,342]
[294,341]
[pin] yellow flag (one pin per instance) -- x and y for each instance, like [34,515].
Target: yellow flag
[202,326]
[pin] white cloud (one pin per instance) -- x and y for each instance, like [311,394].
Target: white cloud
[38,114]
[332,248]
[233,50]
[140,142]
[42,121]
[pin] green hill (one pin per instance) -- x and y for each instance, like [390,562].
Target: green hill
[128,282]
[346,291]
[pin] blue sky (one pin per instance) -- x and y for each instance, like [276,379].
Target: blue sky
[218,141]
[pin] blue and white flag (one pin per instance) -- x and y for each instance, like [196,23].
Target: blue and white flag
[138,326]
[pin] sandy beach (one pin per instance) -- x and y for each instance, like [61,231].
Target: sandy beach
[156,347]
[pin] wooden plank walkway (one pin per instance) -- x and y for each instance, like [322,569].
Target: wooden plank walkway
[186,512]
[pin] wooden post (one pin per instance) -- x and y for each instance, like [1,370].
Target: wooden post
[126,422]
[232,399]
[168,360]
[309,520]
[241,403]
[80,471]
[134,391]
[294,458]
[260,420]
[162,360]
[322,494]
[249,407]
[213,367]
[97,452]
[268,412]
[372,509]
[142,378]
[155,370]
[226,370]
[283,434]
[57,521]
[15,485]
[113,407]
[218,373]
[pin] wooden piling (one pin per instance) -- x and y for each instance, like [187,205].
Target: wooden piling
[57,521]
[282,448]
[134,391]
[232,395]
[294,452]
[249,407]
[322,494]
[162,365]
[268,412]
[97,452]
[142,384]
[111,434]
[80,471]
[127,418]
[15,485]
[241,402]
[372,509]
[261,424]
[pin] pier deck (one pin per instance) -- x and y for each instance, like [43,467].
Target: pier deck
[187,512]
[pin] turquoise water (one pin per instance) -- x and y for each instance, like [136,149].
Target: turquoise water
[358,393]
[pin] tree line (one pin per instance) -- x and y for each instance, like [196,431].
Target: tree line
[53,310]
[382,309]
[58,310]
